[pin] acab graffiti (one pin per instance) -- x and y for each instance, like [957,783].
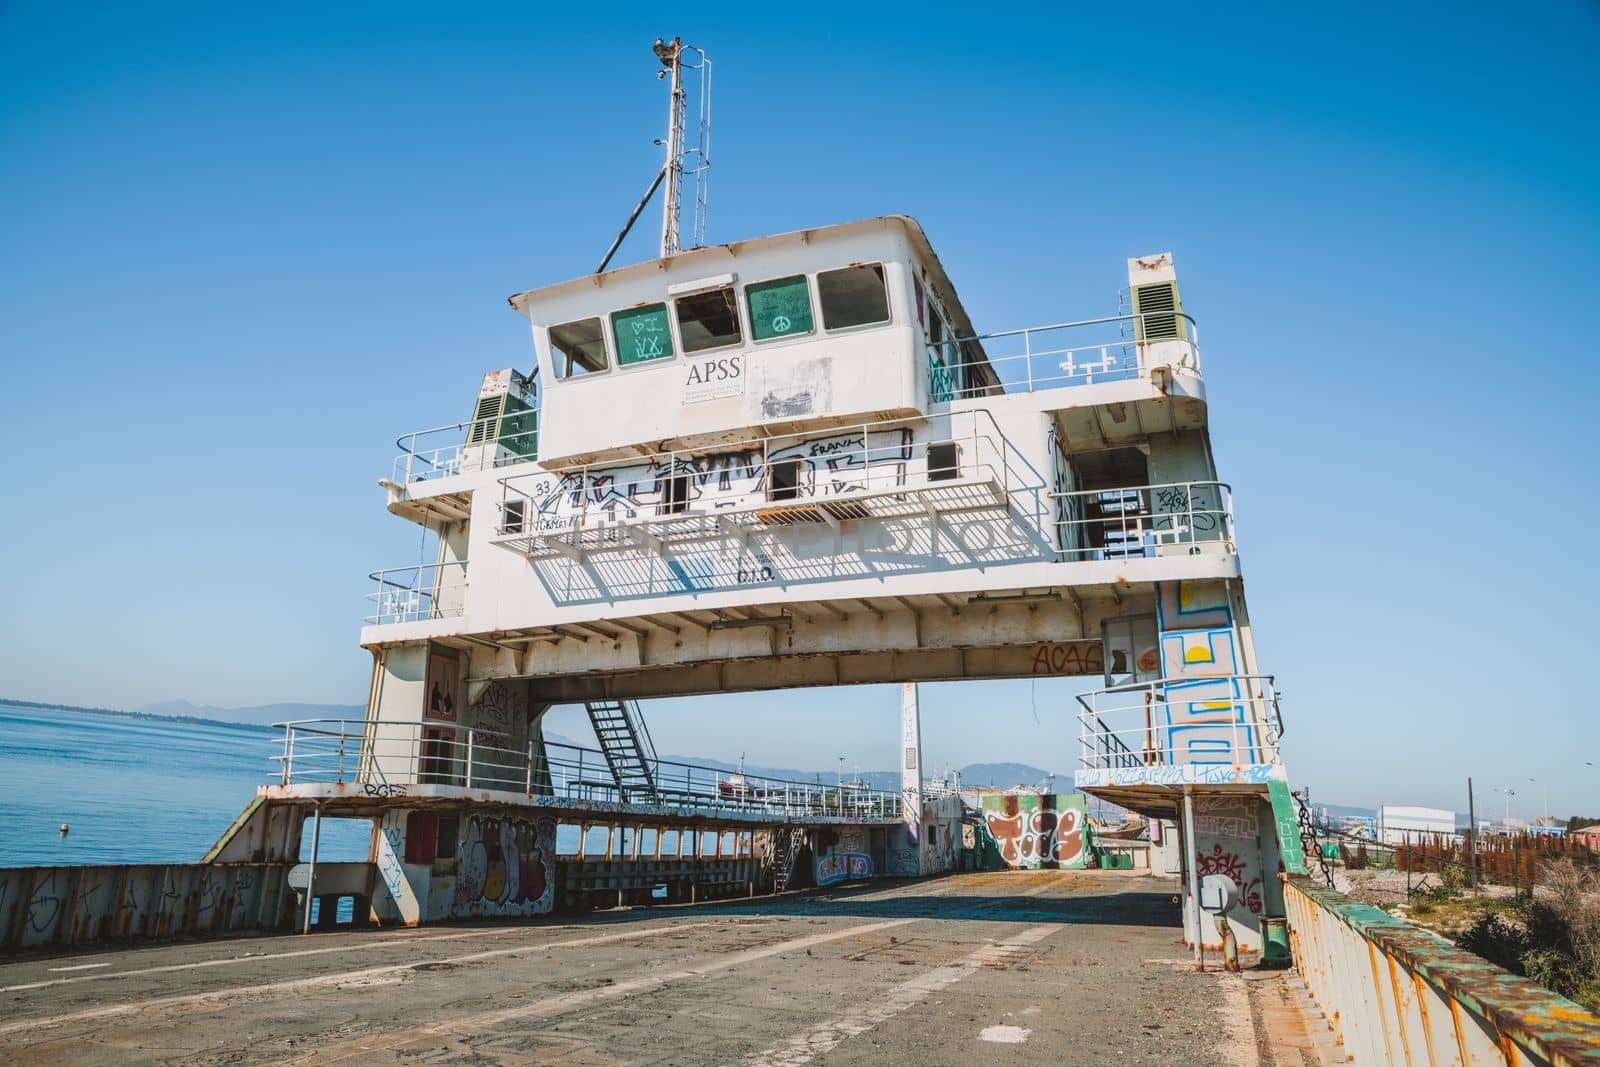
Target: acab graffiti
[508,867]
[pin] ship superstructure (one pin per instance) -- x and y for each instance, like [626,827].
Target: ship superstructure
[795,461]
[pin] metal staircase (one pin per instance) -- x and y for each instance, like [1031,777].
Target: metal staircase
[625,741]
[784,850]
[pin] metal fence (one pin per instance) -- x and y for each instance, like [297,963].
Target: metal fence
[1446,863]
[1131,522]
[1224,721]
[422,591]
[1107,349]
[461,447]
[1395,993]
[389,754]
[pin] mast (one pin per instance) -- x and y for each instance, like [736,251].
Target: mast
[671,55]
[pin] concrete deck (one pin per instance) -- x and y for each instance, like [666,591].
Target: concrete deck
[1047,967]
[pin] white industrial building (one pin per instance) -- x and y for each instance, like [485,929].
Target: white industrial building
[1398,822]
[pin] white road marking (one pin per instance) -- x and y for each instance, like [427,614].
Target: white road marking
[79,967]
[342,978]
[807,1046]
[385,1043]
[407,937]
[1004,1035]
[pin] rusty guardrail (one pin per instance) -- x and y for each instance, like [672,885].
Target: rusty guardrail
[1396,993]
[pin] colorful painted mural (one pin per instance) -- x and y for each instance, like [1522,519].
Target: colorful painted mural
[507,867]
[1035,830]
[1206,721]
[845,858]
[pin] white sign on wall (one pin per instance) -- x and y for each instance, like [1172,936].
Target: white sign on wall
[714,378]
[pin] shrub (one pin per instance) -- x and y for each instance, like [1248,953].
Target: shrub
[1442,892]
[1557,944]
[1497,940]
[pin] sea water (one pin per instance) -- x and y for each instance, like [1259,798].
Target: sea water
[133,790]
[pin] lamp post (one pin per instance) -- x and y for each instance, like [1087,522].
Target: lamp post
[1544,799]
[1508,792]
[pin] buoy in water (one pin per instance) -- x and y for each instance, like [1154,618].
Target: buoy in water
[64,829]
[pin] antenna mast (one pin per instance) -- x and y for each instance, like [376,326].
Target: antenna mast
[682,160]
[685,160]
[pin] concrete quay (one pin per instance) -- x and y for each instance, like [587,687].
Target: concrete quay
[1016,967]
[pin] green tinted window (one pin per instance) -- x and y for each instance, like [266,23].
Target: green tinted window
[779,307]
[642,334]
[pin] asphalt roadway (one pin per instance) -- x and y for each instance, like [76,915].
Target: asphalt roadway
[1047,967]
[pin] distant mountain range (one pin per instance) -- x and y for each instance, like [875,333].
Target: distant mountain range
[999,775]
[257,715]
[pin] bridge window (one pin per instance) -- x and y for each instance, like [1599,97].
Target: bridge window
[641,334]
[779,308]
[578,348]
[853,296]
[708,320]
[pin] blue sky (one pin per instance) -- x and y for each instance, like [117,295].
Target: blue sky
[244,250]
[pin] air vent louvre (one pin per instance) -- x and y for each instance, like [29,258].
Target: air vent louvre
[483,416]
[1156,306]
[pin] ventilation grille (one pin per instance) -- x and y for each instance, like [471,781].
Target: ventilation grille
[1156,306]
[484,418]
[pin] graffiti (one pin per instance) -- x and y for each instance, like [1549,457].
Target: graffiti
[391,848]
[1206,720]
[1068,657]
[905,862]
[1230,865]
[45,906]
[209,893]
[508,867]
[1033,830]
[829,466]
[383,789]
[499,716]
[1225,817]
[242,884]
[1199,512]
[835,867]
[939,850]
[1193,605]
[1206,723]
[1178,774]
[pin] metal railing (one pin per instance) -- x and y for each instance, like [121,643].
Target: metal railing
[461,447]
[1219,721]
[1395,993]
[1137,521]
[419,592]
[817,466]
[387,757]
[1114,348]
